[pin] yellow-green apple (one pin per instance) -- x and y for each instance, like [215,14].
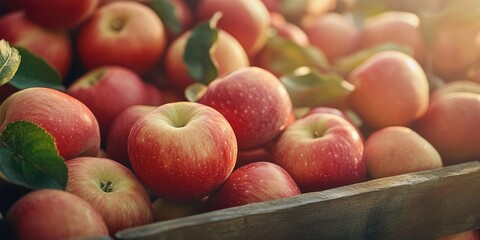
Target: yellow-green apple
[250,31]
[112,189]
[71,124]
[336,35]
[455,48]
[182,151]
[58,14]
[107,91]
[124,33]
[288,30]
[391,89]
[394,27]
[321,151]
[54,47]
[254,182]
[120,129]
[254,102]
[456,86]
[451,126]
[165,210]
[54,214]
[397,150]
[226,53]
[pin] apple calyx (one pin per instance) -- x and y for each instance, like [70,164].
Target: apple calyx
[117,24]
[106,186]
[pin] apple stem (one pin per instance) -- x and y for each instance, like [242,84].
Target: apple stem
[316,134]
[106,186]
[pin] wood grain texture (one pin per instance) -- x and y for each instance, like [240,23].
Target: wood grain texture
[423,205]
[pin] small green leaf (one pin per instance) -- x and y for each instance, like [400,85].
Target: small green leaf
[29,157]
[9,62]
[282,56]
[348,63]
[198,50]
[35,72]
[309,88]
[166,11]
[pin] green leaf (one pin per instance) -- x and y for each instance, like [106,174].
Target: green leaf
[198,49]
[9,62]
[166,11]
[29,157]
[35,72]
[348,63]
[309,88]
[282,56]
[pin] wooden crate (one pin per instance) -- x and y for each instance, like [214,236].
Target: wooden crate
[423,205]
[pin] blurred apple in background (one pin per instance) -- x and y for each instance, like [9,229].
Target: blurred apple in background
[455,48]
[397,150]
[54,214]
[321,151]
[456,86]
[336,35]
[71,124]
[107,91]
[245,20]
[255,155]
[394,27]
[288,30]
[300,12]
[59,14]
[123,33]
[451,126]
[254,102]
[112,189]
[182,151]
[117,140]
[154,95]
[254,182]
[391,89]
[53,46]
[226,53]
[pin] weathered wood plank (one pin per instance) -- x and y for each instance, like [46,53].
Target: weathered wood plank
[421,205]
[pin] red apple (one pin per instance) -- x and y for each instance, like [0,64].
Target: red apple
[123,33]
[254,182]
[451,126]
[226,53]
[255,155]
[117,140]
[107,91]
[154,95]
[321,151]
[334,34]
[54,47]
[59,14]
[71,124]
[184,15]
[391,89]
[245,20]
[182,151]
[300,12]
[254,102]
[112,189]
[397,150]
[397,27]
[54,214]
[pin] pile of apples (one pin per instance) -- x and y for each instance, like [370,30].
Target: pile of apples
[174,108]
